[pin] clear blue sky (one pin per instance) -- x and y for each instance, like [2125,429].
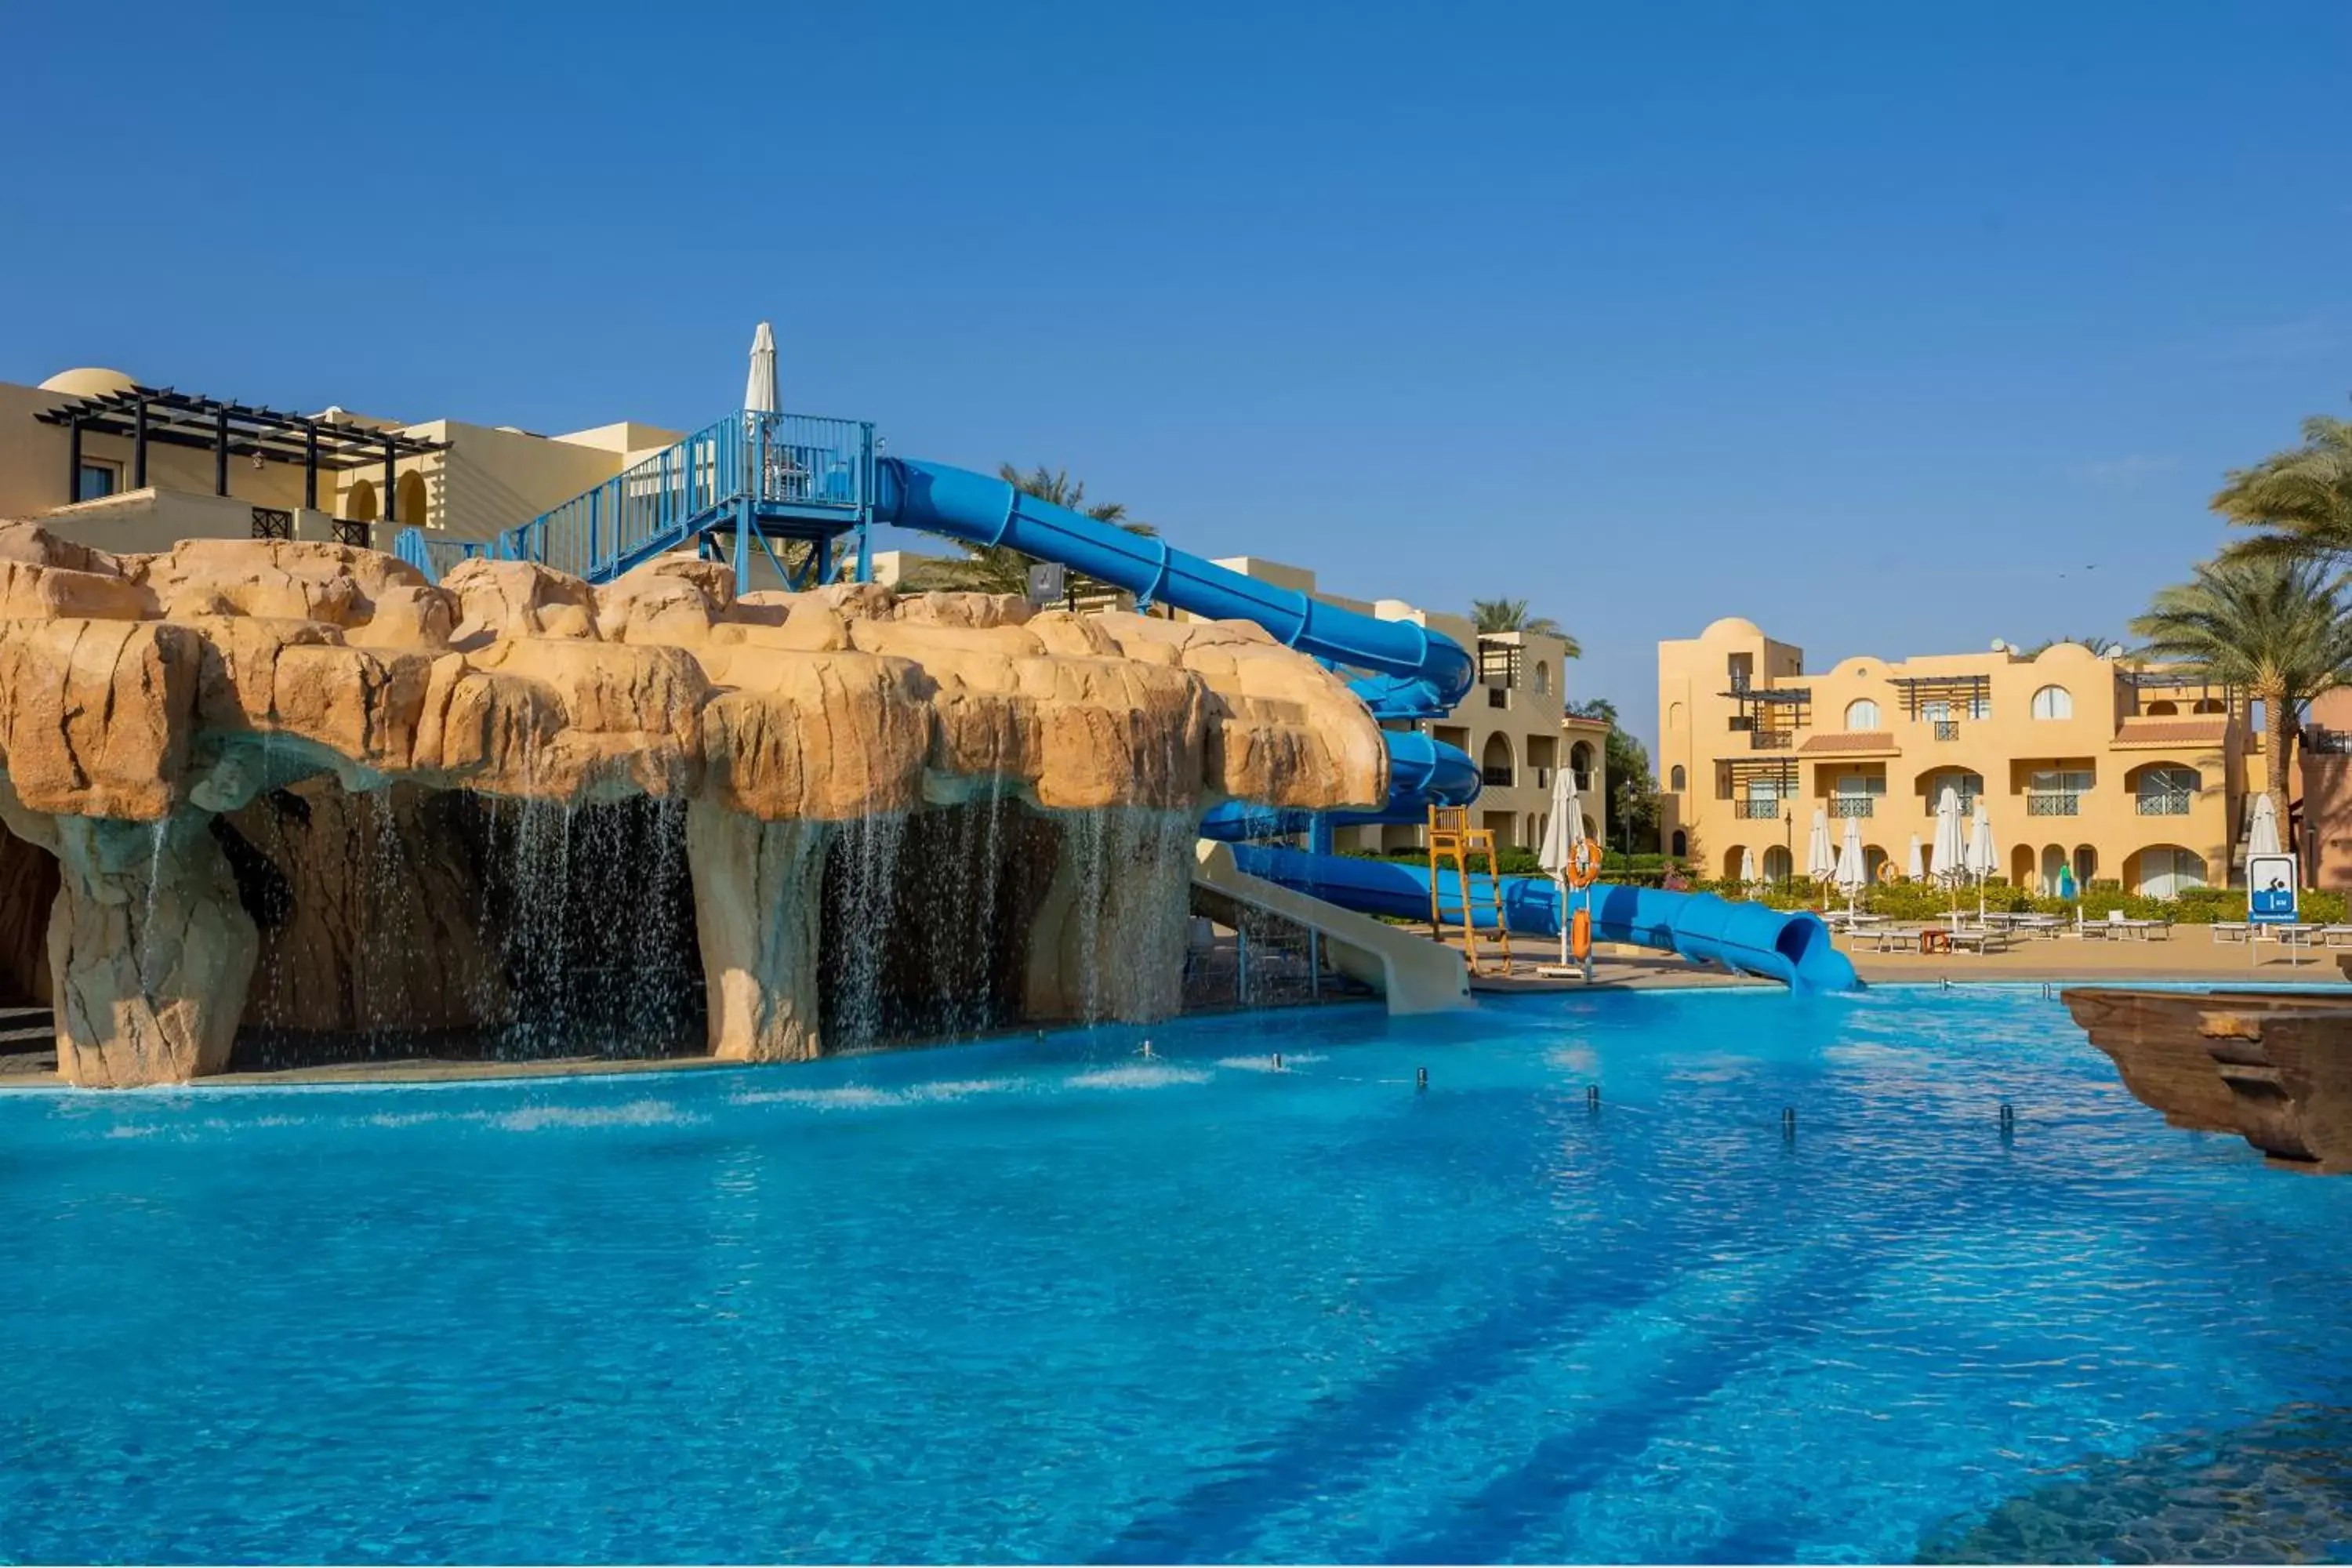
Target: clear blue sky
[1865,322]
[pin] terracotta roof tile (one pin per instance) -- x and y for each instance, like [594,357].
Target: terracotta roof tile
[1851,741]
[2206,730]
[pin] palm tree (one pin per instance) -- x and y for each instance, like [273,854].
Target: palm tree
[2301,498]
[1511,616]
[2270,626]
[993,568]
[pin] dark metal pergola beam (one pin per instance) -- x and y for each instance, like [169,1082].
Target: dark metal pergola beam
[245,417]
[145,413]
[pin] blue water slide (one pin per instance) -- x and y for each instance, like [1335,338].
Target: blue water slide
[1421,771]
[1418,673]
[1794,949]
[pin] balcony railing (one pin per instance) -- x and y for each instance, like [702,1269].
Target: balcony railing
[1543,777]
[2169,803]
[1850,805]
[1770,740]
[359,535]
[1583,782]
[1947,728]
[1756,810]
[2052,803]
[1967,803]
[272,523]
[2318,741]
[1496,778]
[1498,697]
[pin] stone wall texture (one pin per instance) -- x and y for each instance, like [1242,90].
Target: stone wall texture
[230,752]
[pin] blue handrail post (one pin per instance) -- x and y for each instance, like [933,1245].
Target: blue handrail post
[1318,834]
[744,524]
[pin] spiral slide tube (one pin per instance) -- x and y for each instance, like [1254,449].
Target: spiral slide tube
[1749,939]
[1417,674]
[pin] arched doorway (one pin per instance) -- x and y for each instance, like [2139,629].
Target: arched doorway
[410,493]
[2021,867]
[1777,863]
[2167,871]
[2054,861]
[359,502]
[1681,843]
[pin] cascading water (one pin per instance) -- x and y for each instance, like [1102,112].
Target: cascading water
[861,892]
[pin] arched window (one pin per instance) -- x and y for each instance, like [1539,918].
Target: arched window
[359,502]
[1580,762]
[2167,790]
[1676,779]
[2054,702]
[1682,844]
[1961,782]
[1861,714]
[2208,705]
[1495,762]
[1543,678]
[2162,708]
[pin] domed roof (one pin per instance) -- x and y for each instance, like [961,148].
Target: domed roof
[88,381]
[1733,626]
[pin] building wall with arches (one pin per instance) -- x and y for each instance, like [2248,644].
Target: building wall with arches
[2078,760]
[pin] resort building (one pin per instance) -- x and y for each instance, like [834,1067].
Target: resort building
[2126,774]
[103,460]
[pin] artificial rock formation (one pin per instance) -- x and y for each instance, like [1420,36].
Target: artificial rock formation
[238,753]
[2272,1067]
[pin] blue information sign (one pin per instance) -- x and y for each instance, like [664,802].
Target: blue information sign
[2270,890]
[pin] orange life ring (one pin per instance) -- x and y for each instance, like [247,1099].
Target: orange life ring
[1887,872]
[1583,863]
[1579,935]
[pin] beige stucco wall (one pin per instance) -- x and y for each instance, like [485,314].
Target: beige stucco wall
[489,480]
[2105,831]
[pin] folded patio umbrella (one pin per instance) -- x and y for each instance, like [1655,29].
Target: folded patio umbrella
[1917,869]
[2262,838]
[1852,871]
[1562,830]
[1948,861]
[1982,860]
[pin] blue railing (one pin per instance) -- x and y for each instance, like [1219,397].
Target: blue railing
[796,464]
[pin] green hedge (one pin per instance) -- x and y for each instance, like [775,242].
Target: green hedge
[1918,902]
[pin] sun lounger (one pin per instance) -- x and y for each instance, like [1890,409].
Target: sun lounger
[2234,930]
[2336,936]
[1980,939]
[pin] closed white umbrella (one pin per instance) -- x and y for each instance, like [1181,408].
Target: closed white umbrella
[1853,872]
[1820,860]
[1561,833]
[1748,872]
[760,390]
[1983,859]
[1947,856]
[2262,838]
[1917,869]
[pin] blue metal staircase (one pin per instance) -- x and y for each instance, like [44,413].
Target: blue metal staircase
[751,485]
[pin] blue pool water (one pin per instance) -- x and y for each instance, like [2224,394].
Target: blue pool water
[1043,1300]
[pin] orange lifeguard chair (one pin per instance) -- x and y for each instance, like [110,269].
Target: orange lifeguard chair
[1451,837]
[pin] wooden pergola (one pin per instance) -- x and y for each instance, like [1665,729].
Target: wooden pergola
[149,416]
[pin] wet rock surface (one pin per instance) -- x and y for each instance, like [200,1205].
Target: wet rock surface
[2279,1490]
[243,758]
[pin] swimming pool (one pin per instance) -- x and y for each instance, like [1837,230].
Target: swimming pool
[1049,1299]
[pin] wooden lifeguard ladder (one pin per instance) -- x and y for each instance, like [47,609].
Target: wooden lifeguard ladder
[1451,837]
